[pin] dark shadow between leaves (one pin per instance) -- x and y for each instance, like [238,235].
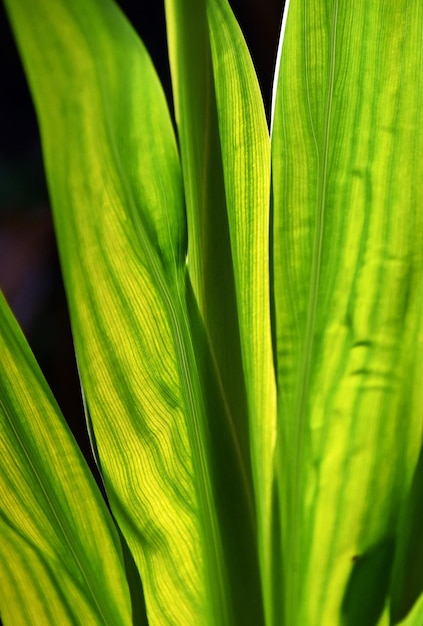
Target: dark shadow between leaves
[368,585]
[407,579]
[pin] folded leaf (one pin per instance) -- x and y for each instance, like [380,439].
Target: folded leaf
[60,556]
[246,166]
[209,256]
[348,265]
[210,268]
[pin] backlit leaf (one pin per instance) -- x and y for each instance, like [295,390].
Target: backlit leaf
[60,556]
[246,164]
[115,184]
[348,267]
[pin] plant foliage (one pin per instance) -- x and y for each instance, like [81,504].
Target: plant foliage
[246,308]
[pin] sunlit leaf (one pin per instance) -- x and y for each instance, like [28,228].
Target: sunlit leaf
[60,556]
[247,315]
[210,257]
[115,183]
[348,268]
[246,163]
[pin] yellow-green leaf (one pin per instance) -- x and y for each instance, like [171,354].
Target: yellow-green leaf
[116,188]
[60,556]
[246,165]
[210,268]
[348,267]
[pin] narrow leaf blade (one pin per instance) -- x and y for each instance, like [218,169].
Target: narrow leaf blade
[245,148]
[60,556]
[209,256]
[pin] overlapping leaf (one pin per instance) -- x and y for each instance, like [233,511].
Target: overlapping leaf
[60,556]
[115,183]
[210,263]
[246,164]
[217,215]
[348,267]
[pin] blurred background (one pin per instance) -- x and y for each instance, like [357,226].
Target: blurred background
[29,270]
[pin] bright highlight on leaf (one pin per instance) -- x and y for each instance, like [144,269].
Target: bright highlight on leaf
[247,318]
[347,204]
[60,555]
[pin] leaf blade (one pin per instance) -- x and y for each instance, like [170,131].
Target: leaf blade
[347,276]
[246,165]
[60,553]
[210,268]
[119,216]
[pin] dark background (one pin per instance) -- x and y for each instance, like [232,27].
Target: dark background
[29,271]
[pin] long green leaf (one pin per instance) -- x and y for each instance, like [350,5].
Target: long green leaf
[348,267]
[60,556]
[210,267]
[209,257]
[246,164]
[116,188]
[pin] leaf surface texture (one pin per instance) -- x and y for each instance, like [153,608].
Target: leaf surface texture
[347,149]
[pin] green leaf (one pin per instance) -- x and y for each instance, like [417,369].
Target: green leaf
[209,256]
[196,118]
[246,165]
[60,556]
[116,188]
[348,266]
[210,267]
